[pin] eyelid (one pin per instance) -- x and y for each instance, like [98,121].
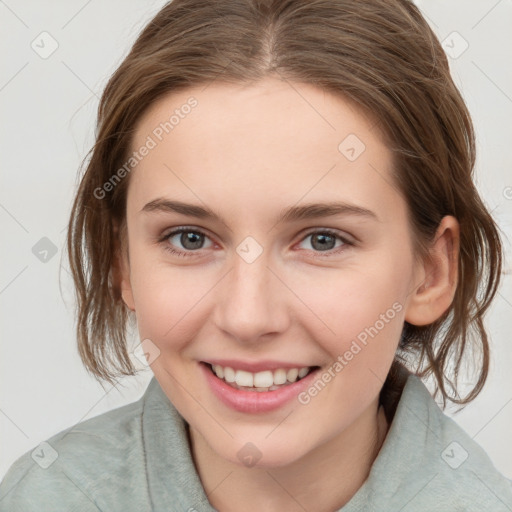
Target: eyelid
[342,235]
[184,227]
[180,229]
[347,240]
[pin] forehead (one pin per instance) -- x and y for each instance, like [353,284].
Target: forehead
[271,141]
[260,111]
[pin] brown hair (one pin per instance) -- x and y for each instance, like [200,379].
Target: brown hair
[380,54]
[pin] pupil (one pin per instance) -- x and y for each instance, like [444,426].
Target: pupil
[191,240]
[322,239]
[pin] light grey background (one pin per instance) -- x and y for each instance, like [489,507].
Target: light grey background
[48,108]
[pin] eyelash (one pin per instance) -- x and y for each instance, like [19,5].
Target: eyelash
[186,254]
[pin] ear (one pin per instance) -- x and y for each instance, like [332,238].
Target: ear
[121,268]
[437,277]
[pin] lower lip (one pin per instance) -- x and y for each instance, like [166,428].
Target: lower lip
[255,401]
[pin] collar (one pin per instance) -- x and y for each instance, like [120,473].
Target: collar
[174,483]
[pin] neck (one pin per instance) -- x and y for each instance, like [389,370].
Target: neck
[325,479]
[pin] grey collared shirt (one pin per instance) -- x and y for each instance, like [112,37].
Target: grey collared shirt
[137,458]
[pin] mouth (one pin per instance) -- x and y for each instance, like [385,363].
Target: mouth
[262,381]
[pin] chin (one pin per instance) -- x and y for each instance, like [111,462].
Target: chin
[265,454]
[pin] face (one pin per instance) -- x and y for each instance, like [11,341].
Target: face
[252,277]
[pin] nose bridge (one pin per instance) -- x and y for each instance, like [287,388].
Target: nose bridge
[250,304]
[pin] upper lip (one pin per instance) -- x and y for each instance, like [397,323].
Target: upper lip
[256,366]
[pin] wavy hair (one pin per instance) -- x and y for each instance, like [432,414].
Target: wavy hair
[380,54]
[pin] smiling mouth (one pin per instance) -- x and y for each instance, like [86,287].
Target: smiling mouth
[268,380]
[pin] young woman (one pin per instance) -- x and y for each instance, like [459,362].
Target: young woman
[281,196]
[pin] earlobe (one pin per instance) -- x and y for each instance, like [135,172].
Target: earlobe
[438,277]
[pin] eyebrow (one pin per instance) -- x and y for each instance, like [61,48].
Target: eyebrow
[294,213]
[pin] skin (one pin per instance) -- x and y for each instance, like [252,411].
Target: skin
[247,153]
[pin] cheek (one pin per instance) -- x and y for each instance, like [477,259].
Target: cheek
[169,301]
[359,305]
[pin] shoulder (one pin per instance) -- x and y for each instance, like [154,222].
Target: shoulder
[452,468]
[71,470]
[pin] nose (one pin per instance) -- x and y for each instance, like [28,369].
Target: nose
[251,301]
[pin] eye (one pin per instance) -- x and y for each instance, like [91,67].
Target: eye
[185,241]
[191,240]
[325,241]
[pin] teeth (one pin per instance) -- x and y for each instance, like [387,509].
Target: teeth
[218,371]
[229,374]
[262,381]
[292,374]
[303,372]
[244,378]
[279,377]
